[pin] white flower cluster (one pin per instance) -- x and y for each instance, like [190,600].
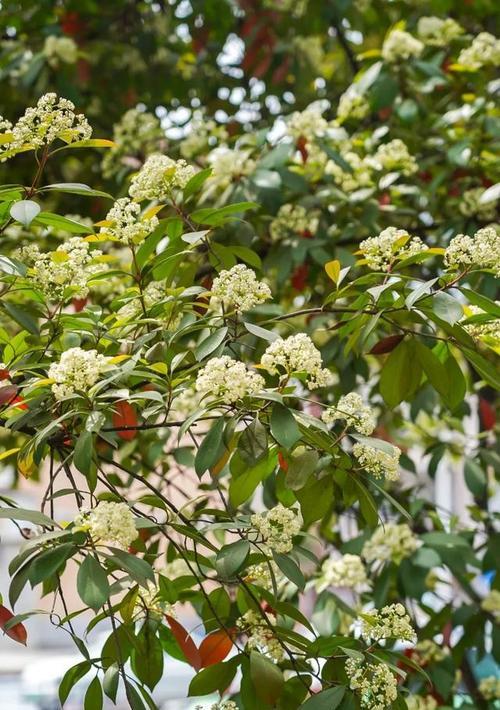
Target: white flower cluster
[421,702]
[68,267]
[394,156]
[428,651]
[108,523]
[136,133]
[390,622]
[260,637]
[202,133]
[380,463]
[470,205]
[225,378]
[490,688]
[159,176]
[76,371]
[400,45]
[5,125]
[438,32]
[352,105]
[360,175]
[375,684]
[260,574]
[292,220]
[149,602]
[347,571]
[240,288]
[297,353]
[228,165]
[154,293]
[185,403]
[221,705]
[354,412]
[391,244]
[391,542]
[482,251]
[484,51]
[488,330]
[277,527]
[307,124]
[126,224]
[51,118]
[491,603]
[60,49]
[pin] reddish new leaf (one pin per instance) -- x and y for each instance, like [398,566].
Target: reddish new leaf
[8,393]
[4,373]
[186,643]
[282,462]
[17,632]
[214,648]
[487,414]
[124,415]
[386,345]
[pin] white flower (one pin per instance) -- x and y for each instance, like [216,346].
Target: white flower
[487,330]
[240,288]
[438,32]
[277,527]
[150,604]
[390,542]
[297,353]
[228,165]
[292,220]
[77,370]
[126,223]
[348,571]
[394,156]
[63,272]
[375,684]
[159,176]
[359,176]
[108,523]
[401,45]
[484,51]
[391,244]
[307,124]
[390,622]
[490,688]
[228,379]
[58,49]
[352,105]
[419,702]
[51,118]
[491,603]
[470,205]
[260,637]
[136,133]
[350,408]
[5,125]
[379,462]
[221,705]
[260,574]
[429,651]
[154,293]
[482,251]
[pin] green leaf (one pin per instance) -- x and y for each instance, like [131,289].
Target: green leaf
[284,428]
[261,332]
[486,304]
[487,371]
[214,217]
[208,345]
[447,307]
[110,681]
[92,583]
[75,188]
[24,211]
[82,456]
[243,486]
[300,468]
[214,678]
[401,374]
[325,700]
[290,569]
[49,562]
[71,677]
[231,558]
[12,267]
[93,696]
[31,516]
[196,182]
[253,444]
[475,478]
[63,223]
[267,678]
[315,499]
[140,570]
[21,316]
[147,656]
[211,448]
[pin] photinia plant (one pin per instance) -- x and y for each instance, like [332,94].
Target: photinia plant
[240,375]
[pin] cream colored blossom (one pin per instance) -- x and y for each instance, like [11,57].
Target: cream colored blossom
[127,225]
[228,165]
[470,205]
[358,177]
[380,463]
[421,702]
[108,523]
[159,177]
[390,542]
[307,124]
[292,220]
[484,51]
[76,371]
[353,412]
[352,105]
[487,330]
[136,133]
[374,684]
[400,45]
[150,604]
[60,49]
[428,651]
[154,293]
[261,638]
[240,288]
[221,705]
[491,603]
[490,687]
[438,32]
[346,571]
[202,134]
[482,251]
[277,527]
[394,156]
[225,378]
[390,622]
[297,353]
[390,245]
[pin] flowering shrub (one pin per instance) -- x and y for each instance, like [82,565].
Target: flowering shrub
[240,371]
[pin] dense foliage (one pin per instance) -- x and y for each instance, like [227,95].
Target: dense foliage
[245,365]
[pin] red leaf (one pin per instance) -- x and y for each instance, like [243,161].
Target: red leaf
[186,643]
[282,462]
[487,414]
[4,373]
[299,277]
[125,416]
[214,648]
[17,632]
[8,394]
[301,147]
[386,345]
[79,304]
